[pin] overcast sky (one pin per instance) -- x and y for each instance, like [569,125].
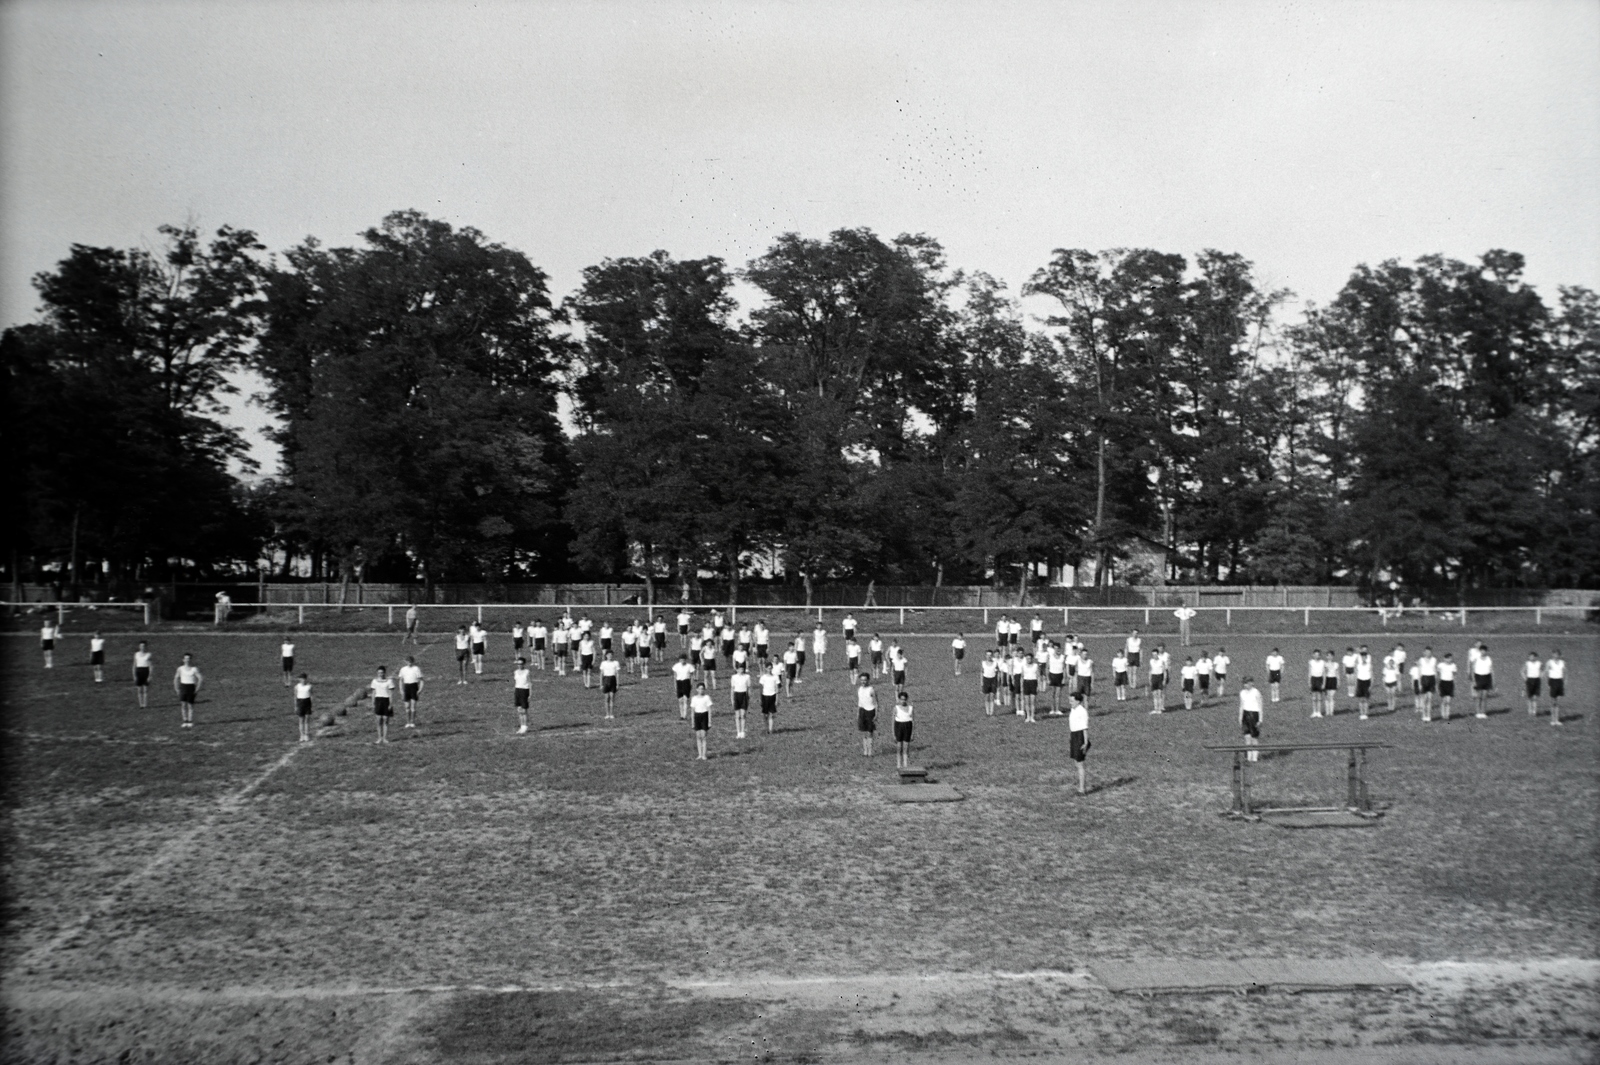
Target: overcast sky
[1308,137]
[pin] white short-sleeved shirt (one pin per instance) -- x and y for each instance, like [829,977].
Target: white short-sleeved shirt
[1078,718]
[1030,669]
[516,632]
[1399,656]
[1220,664]
[96,644]
[606,632]
[875,644]
[522,678]
[790,657]
[852,650]
[1056,662]
[990,668]
[1447,670]
[1318,667]
[1132,645]
[585,646]
[1085,666]
[1428,664]
[1556,669]
[1483,665]
[769,684]
[740,681]
[1190,672]
[959,644]
[1275,663]
[629,637]
[610,667]
[188,674]
[463,641]
[1349,663]
[866,698]
[1364,667]
[1250,701]
[561,635]
[1391,671]
[1119,663]
[381,687]
[302,690]
[683,619]
[1203,667]
[659,626]
[682,670]
[902,711]
[700,704]
[1158,664]
[410,674]
[1532,669]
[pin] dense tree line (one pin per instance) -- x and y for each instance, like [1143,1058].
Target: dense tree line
[872,414]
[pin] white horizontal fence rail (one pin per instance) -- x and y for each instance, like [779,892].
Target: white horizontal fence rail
[1452,615]
[61,607]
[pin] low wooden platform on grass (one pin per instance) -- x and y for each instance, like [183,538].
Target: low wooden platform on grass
[920,793]
[1169,975]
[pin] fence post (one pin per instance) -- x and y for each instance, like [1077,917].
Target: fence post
[1308,617]
[147,615]
[902,617]
[986,614]
[1227,616]
[1147,617]
[1463,617]
[1538,616]
[301,607]
[819,615]
[1066,617]
[61,615]
[480,613]
[391,615]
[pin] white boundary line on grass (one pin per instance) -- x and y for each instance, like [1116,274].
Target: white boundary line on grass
[1583,970]
[1196,639]
[170,852]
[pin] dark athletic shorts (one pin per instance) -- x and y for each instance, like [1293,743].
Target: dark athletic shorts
[408,692]
[683,687]
[1205,682]
[683,630]
[988,685]
[516,643]
[519,698]
[1533,687]
[538,643]
[630,650]
[900,677]
[608,684]
[1188,685]
[661,639]
[98,658]
[1078,748]
[1558,687]
[853,663]
[1428,680]
[1030,687]
[380,706]
[1274,676]
[605,643]
[960,652]
[790,669]
[801,657]
[302,707]
[1120,680]
[1316,683]
[186,693]
[741,700]
[1447,688]
[288,663]
[141,676]
[877,658]
[702,722]
[727,648]
[1058,680]
[709,665]
[1084,684]
[1158,681]
[1016,682]
[902,731]
[1250,724]
[461,654]
[47,645]
[866,720]
[1363,688]
[769,704]
[761,650]
[477,649]
[587,662]
[1482,682]
[1133,659]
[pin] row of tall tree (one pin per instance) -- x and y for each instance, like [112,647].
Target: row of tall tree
[873,414]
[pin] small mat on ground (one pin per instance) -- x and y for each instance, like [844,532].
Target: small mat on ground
[1297,974]
[919,793]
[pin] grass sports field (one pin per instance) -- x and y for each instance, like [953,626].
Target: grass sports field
[589,892]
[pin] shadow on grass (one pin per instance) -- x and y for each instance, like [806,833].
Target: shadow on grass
[1569,717]
[931,766]
[790,728]
[1119,782]
[729,754]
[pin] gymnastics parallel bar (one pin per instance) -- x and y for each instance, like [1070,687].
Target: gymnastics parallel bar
[1357,799]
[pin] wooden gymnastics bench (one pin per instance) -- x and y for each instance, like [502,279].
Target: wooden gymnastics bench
[1357,802]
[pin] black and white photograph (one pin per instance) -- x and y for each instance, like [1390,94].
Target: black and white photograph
[542,531]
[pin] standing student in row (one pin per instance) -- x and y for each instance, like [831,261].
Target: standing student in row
[142,660]
[186,682]
[1275,674]
[866,711]
[411,688]
[902,730]
[770,681]
[286,660]
[683,684]
[521,689]
[700,711]
[990,670]
[958,651]
[1250,714]
[97,657]
[1078,740]
[49,633]
[609,670]
[1131,647]
[1555,672]
[302,707]
[382,689]
[1158,680]
[739,689]
[1482,680]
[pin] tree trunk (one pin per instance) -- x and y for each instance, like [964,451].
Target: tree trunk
[733,580]
[807,576]
[1099,508]
[344,583]
[1022,591]
[72,565]
[649,589]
